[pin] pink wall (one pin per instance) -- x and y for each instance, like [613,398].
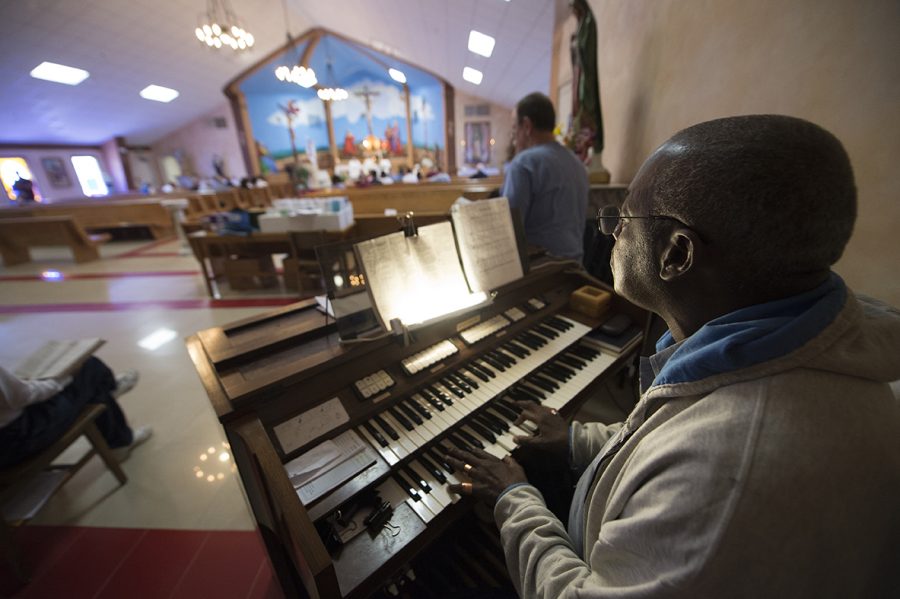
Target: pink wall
[200,140]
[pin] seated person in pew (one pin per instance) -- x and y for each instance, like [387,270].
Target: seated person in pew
[546,181]
[762,459]
[35,413]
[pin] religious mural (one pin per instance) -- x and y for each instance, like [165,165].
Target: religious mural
[289,120]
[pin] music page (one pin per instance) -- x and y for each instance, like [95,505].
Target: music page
[415,278]
[487,243]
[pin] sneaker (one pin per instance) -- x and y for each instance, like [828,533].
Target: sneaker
[125,382]
[138,436]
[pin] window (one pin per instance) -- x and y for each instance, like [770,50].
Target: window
[87,169]
[13,170]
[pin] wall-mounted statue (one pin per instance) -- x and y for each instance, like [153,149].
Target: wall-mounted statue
[585,135]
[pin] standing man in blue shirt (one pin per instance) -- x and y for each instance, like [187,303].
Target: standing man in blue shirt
[546,181]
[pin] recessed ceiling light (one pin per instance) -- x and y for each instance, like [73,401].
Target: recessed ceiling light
[59,73]
[159,93]
[397,76]
[472,75]
[480,43]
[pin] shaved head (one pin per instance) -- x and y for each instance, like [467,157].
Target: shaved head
[774,195]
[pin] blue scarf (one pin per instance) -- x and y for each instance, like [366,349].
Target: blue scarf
[753,335]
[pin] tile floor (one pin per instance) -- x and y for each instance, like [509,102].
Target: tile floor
[136,289]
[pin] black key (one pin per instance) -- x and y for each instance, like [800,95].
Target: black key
[518,394]
[532,391]
[510,411]
[417,480]
[506,356]
[437,454]
[541,382]
[430,398]
[440,395]
[386,427]
[459,442]
[486,370]
[467,379]
[401,419]
[481,430]
[485,420]
[584,352]
[448,384]
[572,361]
[469,439]
[518,348]
[474,369]
[564,368]
[407,486]
[504,414]
[418,407]
[555,321]
[540,341]
[459,382]
[546,331]
[498,418]
[554,374]
[409,412]
[432,469]
[375,434]
[493,361]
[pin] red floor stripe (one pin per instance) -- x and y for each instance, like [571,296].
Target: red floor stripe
[102,275]
[190,304]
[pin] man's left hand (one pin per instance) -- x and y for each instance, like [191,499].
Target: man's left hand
[489,476]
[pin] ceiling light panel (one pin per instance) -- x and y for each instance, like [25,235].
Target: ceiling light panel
[481,44]
[59,73]
[159,93]
[472,75]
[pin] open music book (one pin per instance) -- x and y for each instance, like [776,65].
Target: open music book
[447,267]
[57,358]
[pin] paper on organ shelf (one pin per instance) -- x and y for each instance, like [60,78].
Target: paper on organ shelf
[323,457]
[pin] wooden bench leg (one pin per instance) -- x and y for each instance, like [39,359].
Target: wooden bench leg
[85,254]
[99,443]
[13,255]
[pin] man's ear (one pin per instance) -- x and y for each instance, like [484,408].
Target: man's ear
[677,257]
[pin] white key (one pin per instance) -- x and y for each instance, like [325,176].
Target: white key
[433,505]
[438,492]
[408,443]
[395,445]
[390,490]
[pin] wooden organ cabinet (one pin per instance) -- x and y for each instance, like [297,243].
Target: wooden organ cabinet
[451,384]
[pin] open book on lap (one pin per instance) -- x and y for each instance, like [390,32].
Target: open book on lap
[57,358]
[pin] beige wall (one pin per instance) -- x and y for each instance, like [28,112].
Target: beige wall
[500,119]
[667,64]
[200,140]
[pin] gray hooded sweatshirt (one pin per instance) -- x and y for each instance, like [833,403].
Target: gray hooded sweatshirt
[767,467]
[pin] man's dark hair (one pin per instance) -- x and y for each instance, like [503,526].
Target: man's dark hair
[539,109]
[775,192]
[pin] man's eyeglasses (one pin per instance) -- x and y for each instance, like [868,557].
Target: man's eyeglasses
[609,218]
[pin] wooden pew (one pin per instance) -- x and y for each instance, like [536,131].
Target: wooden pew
[103,213]
[17,235]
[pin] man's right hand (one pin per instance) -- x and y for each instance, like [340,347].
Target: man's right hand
[552,436]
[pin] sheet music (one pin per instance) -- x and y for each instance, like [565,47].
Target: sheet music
[487,243]
[312,423]
[415,278]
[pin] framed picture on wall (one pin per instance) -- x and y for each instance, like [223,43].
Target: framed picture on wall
[55,170]
[478,146]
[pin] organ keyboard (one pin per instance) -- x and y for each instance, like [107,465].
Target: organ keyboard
[456,384]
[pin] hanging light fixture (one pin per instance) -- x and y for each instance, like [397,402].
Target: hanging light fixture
[220,28]
[333,93]
[302,76]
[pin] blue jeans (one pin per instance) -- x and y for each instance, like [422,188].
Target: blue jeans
[41,424]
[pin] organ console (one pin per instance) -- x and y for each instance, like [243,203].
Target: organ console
[454,385]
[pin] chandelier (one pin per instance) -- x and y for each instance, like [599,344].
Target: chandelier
[302,76]
[333,93]
[220,27]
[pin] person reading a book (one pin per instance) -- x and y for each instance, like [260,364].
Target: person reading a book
[762,459]
[35,413]
[546,182]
